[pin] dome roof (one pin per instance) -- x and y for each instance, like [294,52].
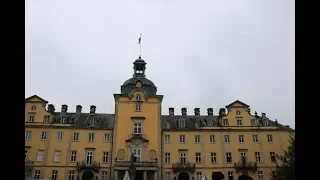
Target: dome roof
[146,84]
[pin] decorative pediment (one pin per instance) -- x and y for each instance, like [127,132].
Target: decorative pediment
[35,99]
[137,139]
[237,103]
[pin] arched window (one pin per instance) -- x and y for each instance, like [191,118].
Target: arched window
[138,97]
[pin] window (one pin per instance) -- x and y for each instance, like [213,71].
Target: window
[59,136]
[226,138]
[167,158]
[167,138]
[43,135]
[75,136]
[260,175]
[197,138]
[258,158]
[198,157]
[57,156]
[138,107]
[253,122]
[243,156]
[182,139]
[241,138]
[137,128]
[36,174]
[40,155]
[245,172]
[46,119]
[71,175]
[63,119]
[137,154]
[167,176]
[25,154]
[73,157]
[104,175]
[54,175]
[225,122]
[255,138]
[107,137]
[199,175]
[238,112]
[27,135]
[212,139]
[31,118]
[239,122]
[182,123]
[91,137]
[138,97]
[269,137]
[213,157]
[89,157]
[105,157]
[229,157]
[273,157]
[91,122]
[230,175]
[183,157]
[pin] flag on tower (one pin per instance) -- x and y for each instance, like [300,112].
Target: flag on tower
[139,40]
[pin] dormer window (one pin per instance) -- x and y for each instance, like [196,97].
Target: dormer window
[91,122]
[46,119]
[182,123]
[63,119]
[138,97]
[33,108]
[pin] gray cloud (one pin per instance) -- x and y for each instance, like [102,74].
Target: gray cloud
[199,53]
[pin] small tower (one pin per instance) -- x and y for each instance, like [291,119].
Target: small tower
[139,67]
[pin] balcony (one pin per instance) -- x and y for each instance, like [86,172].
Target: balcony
[137,164]
[83,165]
[245,166]
[28,167]
[189,167]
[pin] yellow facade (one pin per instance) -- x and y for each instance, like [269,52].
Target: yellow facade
[63,145]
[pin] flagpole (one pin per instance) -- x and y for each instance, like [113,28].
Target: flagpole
[140,45]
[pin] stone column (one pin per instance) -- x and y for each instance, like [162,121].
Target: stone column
[155,175]
[145,177]
[116,175]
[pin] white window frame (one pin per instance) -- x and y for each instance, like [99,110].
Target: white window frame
[183,157]
[31,118]
[33,108]
[138,97]
[137,152]
[230,175]
[54,174]
[63,119]
[212,139]
[89,157]
[46,119]
[269,137]
[243,154]
[182,123]
[197,139]
[138,107]
[91,137]
[253,122]
[213,156]
[27,135]
[167,175]
[59,136]
[260,175]
[241,139]
[44,135]
[36,175]
[182,139]
[226,138]
[71,175]
[198,157]
[104,175]
[137,128]
[73,156]
[167,158]
[229,154]
[199,175]
[258,157]
[167,139]
[40,154]
[75,136]
[225,122]
[107,137]
[273,156]
[239,122]
[255,138]
[105,157]
[57,156]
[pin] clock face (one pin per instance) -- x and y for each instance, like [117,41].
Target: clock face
[138,84]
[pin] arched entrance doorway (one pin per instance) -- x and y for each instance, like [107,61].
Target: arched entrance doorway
[183,176]
[88,175]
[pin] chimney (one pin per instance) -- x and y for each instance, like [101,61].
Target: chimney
[92,109]
[210,111]
[171,111]
[184,111]
[64,108]
[276,122]
[197,111]
[51,108]
[78,109]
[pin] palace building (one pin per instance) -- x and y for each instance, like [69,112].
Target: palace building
[138,139]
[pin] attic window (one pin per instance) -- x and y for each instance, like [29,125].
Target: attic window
[46,119]
[238,112]
[182,123]
[138,97]
[33,108]
[63,119]
[91,122]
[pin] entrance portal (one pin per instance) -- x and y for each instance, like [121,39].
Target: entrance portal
[183,176]
[88,175]
[139,175]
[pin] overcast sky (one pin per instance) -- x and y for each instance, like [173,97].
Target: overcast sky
[199,53]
